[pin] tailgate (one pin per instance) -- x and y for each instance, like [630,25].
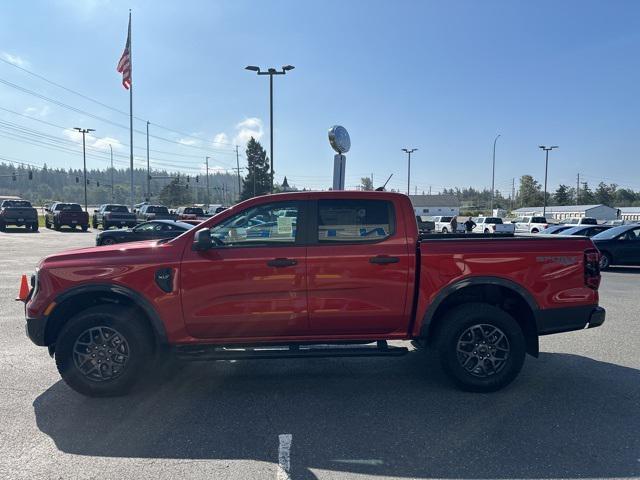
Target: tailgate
[20,214]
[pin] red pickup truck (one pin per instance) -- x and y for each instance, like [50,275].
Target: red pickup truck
[307,275]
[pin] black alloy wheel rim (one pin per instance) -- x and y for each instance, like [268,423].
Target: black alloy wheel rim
[101,353]
[483,350]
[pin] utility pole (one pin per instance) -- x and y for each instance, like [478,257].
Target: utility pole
[238,167]
[493,173]
[148,169]
[271,72]
[513,192]
[409,152]
[84,131]
[578,190]
[207,168]
[546,168]
[112,196]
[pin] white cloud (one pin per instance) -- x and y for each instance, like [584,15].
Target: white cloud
[249,127]
[220,139]
[37,112]
[188,141]
[101,143]
[14,59]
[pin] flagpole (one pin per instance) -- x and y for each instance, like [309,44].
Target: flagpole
[131,114]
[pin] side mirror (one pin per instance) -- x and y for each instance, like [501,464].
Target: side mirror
[202,240]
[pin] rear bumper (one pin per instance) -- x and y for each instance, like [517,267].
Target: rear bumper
[557,320]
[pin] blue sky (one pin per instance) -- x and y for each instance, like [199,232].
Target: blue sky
[445,77]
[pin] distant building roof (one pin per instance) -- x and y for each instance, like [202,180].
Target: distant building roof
[560,208]
[629,209]
[434,200]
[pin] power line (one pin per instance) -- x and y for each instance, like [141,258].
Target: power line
[102,104]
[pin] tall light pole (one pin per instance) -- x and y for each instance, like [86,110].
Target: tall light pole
[148,169]
[409,152]
[493,173]
[546,168]
[206,160]
[111,150]
[271,72]
[84,131]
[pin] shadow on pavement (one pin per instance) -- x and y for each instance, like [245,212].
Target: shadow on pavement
[566,416]
[18,230]
[614,269]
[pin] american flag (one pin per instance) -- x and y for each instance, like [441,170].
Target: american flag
[124,65]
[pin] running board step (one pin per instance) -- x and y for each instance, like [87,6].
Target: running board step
[216,352]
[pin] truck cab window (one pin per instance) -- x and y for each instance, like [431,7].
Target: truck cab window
[269,224]
[354,220]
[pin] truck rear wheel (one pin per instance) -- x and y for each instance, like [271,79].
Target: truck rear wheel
[481,347]
[102,352]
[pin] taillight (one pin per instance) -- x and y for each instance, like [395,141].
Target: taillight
[592,268]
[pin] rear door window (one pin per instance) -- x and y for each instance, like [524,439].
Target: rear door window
[354,221]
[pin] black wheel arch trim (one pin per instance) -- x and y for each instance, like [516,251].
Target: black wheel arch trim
[468,282]
[156,323]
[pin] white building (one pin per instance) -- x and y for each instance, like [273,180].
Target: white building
[564,212]
[630,214]
[431,205]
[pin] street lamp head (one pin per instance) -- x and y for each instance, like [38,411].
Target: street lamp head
[272,70]
[286,68]
[253,68]
[90,130]
[542,147]
[409,151]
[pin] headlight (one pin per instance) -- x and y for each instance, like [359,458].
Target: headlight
[34,282]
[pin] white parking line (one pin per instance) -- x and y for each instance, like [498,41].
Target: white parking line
[284,456]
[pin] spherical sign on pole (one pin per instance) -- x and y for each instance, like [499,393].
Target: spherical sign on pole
[339,139]
[341,143]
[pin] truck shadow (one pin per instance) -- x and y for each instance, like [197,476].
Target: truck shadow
[615,269]
[18,230]
[566,416]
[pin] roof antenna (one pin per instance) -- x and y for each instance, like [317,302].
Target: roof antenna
[381,189]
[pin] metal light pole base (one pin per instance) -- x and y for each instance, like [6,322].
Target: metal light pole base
[339,163]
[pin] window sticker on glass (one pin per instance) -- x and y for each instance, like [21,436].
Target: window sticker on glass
[285,226]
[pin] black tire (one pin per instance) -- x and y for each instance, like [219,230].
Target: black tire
[127,351]
[486,230]
[2,227]
[605,260]
[445,230]
[454,331]
[56,226]
[107,241]
[84,227]
[94,223]
[34,227]
[46,223]
[535,230]
[105,226]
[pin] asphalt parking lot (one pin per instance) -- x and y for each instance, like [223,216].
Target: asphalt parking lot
[572,413]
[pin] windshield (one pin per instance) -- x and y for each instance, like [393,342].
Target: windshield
[16,204]
[493,220]
[193,211]
[539,220]
[574,230]
[117,208]
[445,219]
[157,209]
[612,233]
[69,207]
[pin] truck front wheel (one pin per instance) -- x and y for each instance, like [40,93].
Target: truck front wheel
[102,352]
[481,347]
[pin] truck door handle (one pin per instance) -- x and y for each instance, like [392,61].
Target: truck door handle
[282,262]
[383,259]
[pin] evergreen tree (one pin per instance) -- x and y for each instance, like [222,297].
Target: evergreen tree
[175,194]
[530,192]
[366,184]
[562,195]
[258,179]
[605,194]
[586,195]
